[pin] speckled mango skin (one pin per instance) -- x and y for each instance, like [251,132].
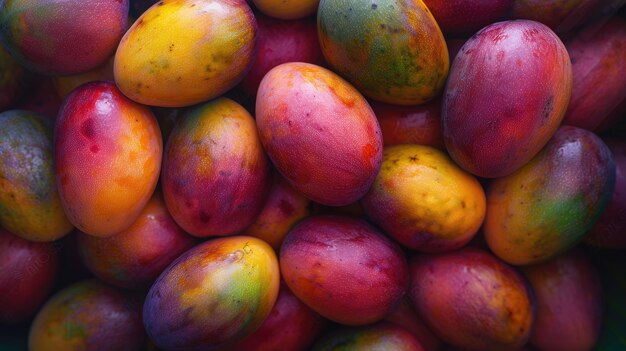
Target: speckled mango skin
[30,206]
[182,52]
[135,257]
[283,209]
[88,316]
[548,205]
[570,306]
[381,336]
[216,293]
[506,95]
[108,157]
[344,269]
[473,300]
[13,79]
[391,50]
[287,9]
[62,36]
[319,132]
[425,201]
[216,176]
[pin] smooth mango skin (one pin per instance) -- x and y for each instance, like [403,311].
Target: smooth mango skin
[287,9]
[13,79]
[182,52]
[216,176]
[57,37]
[560,15]
[570,306]
[473,300]
[216,293]
[506,95]
[548,205]
[319,132]
[391,50]
[344,269]
[88,315]
[383,336]
[463,17]
[405,316]
[425,201]
[135,257]
[282,210]
[108,156]
[30,206]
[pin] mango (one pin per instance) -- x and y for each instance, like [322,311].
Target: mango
[376,337]
[466,17]
[287,9]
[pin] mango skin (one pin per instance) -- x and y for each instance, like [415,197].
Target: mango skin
[56,37]
[13,79]
[465,17]
[383,336]
[392,51]
[425,201]
[290,326]
[559,15]
[405,316]
[167,59]
[287,9]
[135,257]
[568,292]
[506,95]
[108,157]
[599,90]
[344,269]
[30,206]
[302,112]
[448,289]
[548,206]
[410,124]
[88,315]
[65,84]
[283,209]
[216,293]
[28,271]
[610,230]
[215,174]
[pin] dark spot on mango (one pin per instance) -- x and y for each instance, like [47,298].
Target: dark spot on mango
[374,6]
[94,149]
[87,128]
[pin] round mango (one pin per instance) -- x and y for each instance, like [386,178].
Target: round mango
[344,269]
[108,156]
[30,206]
[135,257]
[508,90]
[472,300]
[548,205]
[182,52]
[391,50]
[88,316]
[382,336]
[319,132]
[216,176]
[218,292]
[425,201]
[287,9]
[62,37]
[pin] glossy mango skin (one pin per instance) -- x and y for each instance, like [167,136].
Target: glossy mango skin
[304,111]
[506,95]
[30,206]
[88,315]
[610,230]
[392,50]
[108,156]
[410,124]
[287,9]
[383,336]
[216,293]
[13,78]
[290,326]
[28,271]
[62,36]
[449,289]
[599,91]
[425,201]
[167,59]
[466,17]
[560,15]
[344,269]
[282,210]
[548,205]
[135,257]
[568,292]
[216,176]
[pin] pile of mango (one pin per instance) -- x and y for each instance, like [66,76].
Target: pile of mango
[411,175]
